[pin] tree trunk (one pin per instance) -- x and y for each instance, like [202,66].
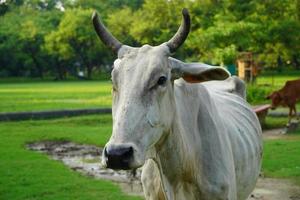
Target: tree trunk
[38,67]
[61,73]
[296,62]
[89,72]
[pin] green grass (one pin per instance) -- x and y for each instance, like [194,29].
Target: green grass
[32,96]
[28,175]
[31,175]
[35,95]
[275,122]
[282,157]
[276,81]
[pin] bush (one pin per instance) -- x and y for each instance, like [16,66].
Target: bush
[257,94]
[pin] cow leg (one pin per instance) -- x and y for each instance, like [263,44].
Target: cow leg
[290,113]
[293,108]
[295,111]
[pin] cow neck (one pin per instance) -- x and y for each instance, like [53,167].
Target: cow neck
[170,153]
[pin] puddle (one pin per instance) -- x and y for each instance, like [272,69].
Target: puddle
[86,159]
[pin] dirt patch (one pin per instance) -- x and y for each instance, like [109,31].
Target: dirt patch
[274,134]
[86,159]
[275,189]
[279,133]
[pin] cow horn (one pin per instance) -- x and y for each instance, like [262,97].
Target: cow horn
[106,37]
[178,39]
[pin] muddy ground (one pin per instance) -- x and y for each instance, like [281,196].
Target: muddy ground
[86,159]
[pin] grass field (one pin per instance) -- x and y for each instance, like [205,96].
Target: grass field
[31,96]
[37,95]
[282,157]
[28,175]
[274,122]
[277,80]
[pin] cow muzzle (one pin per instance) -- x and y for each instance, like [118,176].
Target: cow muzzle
[118,156]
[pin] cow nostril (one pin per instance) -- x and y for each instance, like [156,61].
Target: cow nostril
[128,152]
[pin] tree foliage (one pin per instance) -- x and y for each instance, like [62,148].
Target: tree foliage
[56,37]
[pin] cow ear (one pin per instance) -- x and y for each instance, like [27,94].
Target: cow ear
[196,72]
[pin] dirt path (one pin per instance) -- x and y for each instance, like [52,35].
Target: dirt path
[275,189]
[274,134]
[86,159]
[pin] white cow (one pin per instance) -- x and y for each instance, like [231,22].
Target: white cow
[196,139]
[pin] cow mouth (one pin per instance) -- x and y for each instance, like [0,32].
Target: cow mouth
[118,165]
[122,165]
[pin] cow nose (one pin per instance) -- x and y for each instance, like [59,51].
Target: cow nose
[118,156]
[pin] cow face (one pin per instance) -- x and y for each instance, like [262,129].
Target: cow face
[142,105]
[276,99]
[143,99]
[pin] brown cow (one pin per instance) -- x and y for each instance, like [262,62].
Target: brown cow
[287,96]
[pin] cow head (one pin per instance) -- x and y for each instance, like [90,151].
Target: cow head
[143,105]
[276,99]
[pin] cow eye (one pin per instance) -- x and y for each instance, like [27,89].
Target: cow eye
[162,80]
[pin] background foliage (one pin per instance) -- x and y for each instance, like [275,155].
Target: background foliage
[55,38]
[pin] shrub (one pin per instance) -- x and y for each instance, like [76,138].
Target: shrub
[257,94]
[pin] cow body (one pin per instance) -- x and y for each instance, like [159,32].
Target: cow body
[188,123]
[287,96]
[213,150]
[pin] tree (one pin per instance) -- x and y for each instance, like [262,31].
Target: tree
[76,42]
[9,48]
[46,37]
[23,32]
